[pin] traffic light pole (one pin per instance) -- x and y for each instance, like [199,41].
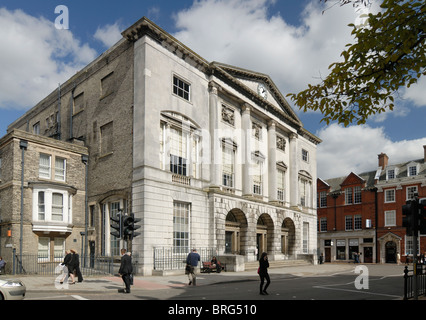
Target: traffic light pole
[416,216]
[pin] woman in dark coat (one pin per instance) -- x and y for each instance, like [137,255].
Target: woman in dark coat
[67,263]
[263,273]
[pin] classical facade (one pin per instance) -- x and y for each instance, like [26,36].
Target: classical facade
[363,213]
[207,155]
[42,196]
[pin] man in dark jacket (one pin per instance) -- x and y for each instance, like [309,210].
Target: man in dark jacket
[192,263]
[125,270]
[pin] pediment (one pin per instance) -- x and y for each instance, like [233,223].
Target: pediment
[253,84]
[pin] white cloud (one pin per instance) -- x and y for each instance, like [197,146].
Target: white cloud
[355,149]
[416,92]
[246,36]
[35,57]
[109,34]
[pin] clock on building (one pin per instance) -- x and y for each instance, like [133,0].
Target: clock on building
[261,90]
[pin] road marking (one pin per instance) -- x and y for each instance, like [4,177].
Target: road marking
[357,291]
[78,297]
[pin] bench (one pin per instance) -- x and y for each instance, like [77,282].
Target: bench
[208,267]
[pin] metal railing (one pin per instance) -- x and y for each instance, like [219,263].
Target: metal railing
[49,265]
[409,286]
[168,258]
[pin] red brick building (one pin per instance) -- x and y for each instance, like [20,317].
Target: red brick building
[362,213]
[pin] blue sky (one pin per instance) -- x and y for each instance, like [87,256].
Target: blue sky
[293,41]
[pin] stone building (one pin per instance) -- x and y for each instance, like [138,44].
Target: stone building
[42,192]
[207,155]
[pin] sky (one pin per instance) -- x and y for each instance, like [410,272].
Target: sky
[43,43]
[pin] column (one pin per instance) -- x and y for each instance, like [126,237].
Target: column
[294,183]
[246,150]
[215,146]
[272,161]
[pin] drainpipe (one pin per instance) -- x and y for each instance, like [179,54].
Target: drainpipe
[59,112]
[23,144]
[85,160]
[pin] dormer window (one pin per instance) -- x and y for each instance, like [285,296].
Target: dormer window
[412,170]
[390,174]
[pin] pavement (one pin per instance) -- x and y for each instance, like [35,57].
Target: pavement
[37,283]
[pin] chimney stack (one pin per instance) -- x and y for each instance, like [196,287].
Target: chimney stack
[383,160]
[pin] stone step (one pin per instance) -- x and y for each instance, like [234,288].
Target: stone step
[253,265]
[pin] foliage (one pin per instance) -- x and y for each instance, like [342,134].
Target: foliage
[389,54]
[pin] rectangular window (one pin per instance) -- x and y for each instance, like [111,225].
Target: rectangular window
[43,249]
[228,161]
[357,195]
[389,195]
[323,224]
[181,215]
[60,169]
[107,138]
[390,218]
[44,166]
[348,196]
[107,85]
[348,223]
[305,155]
[391,174]
[178,152]
[358,222]
[57,207]
[412,171]
[323,199]
[305,237]
[36,128]
[41,206]
[280,185]
[411,191]
[257,177]
[78,103]
[181,88]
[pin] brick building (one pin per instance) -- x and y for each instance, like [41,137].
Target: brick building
[363,213]
[206,154]
[50,176]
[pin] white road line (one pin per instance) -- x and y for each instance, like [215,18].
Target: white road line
[357,291]
[78,297]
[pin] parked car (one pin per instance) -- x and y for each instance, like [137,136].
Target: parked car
[12,289]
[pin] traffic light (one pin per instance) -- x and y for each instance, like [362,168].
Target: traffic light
[422,215]
[410,217]
[129,227]
[117,225]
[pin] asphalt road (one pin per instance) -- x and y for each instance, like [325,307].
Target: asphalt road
[374,282]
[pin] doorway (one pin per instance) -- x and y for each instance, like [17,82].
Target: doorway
[390,251]
[368,255]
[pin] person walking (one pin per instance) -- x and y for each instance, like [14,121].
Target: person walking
[76,266]
[263,273]
[66,263]
[191,266]
[125,270]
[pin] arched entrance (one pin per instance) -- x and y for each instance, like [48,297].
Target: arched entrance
[235,231]
[390,253]
[288,237]
[264,234]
